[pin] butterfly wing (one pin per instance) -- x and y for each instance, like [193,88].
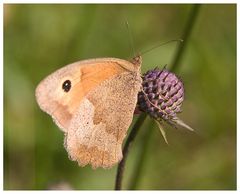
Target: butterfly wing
[84,76]
[97,111]
[100,125]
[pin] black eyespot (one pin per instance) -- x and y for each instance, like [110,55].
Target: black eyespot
[66,85]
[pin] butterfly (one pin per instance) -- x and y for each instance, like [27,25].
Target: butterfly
[93,102]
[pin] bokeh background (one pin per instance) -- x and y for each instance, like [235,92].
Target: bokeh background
[38,39]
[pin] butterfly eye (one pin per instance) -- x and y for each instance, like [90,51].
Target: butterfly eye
[66,86]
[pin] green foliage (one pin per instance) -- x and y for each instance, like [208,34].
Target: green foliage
[39,39]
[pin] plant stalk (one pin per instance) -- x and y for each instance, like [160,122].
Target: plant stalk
[186,34]
[130,139]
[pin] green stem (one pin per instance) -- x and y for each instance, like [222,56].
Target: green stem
[131,137]
[143,153]
[186,34]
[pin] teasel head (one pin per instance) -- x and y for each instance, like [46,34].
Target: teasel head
[161,98]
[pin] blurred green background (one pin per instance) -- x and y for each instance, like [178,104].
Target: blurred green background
[38,39]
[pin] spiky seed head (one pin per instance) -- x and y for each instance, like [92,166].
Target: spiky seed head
[162,94]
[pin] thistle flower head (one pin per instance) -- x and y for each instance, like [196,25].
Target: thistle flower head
[162,96]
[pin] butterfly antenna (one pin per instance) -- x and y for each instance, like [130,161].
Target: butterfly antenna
[130,38]
[161,44]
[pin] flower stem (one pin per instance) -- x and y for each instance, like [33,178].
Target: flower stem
[131,137]
[186,34]
[138,167]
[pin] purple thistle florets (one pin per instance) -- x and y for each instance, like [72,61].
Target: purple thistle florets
[162,94]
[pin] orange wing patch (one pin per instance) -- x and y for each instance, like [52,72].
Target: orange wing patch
[91,77]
